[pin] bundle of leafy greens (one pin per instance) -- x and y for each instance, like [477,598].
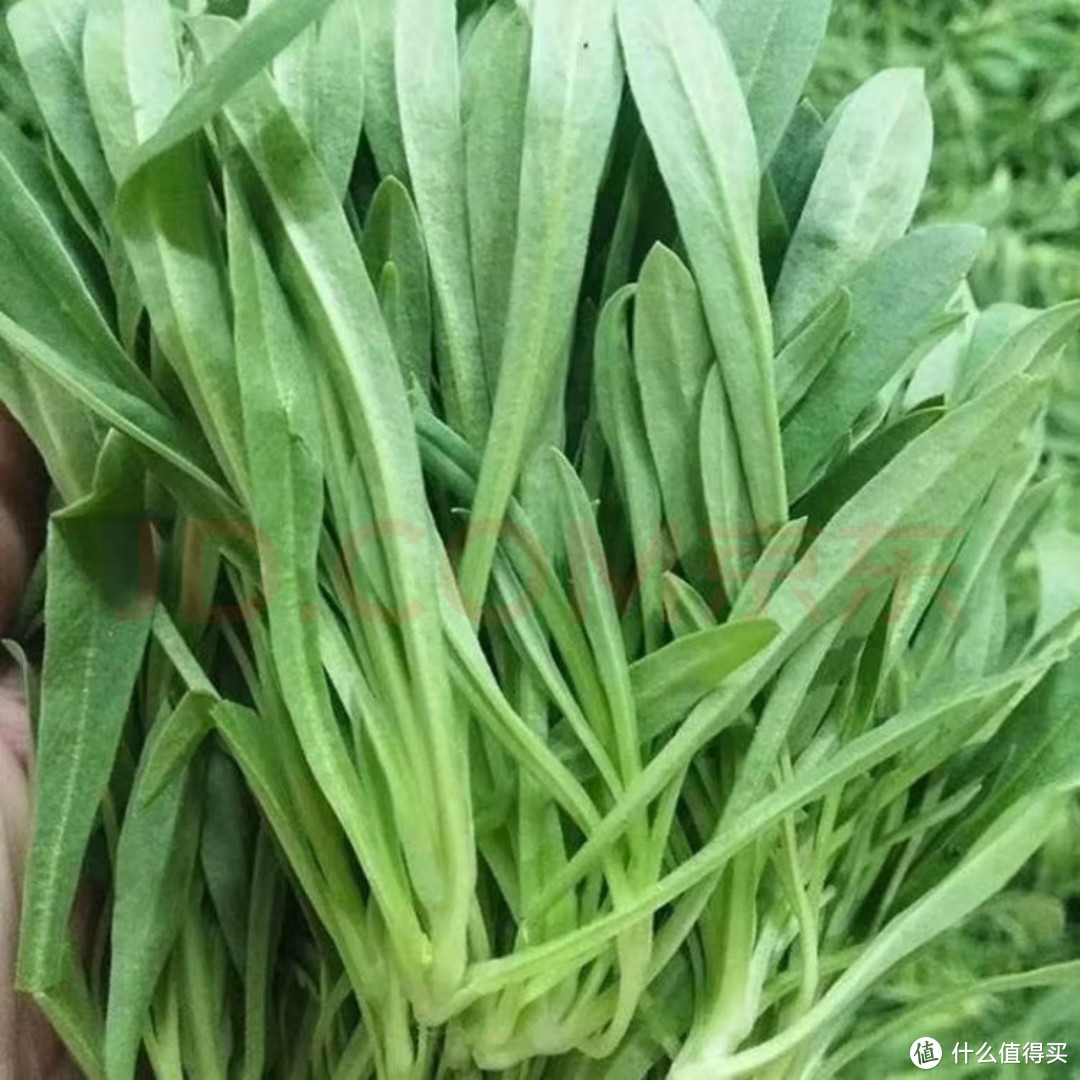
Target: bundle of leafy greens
[529,589]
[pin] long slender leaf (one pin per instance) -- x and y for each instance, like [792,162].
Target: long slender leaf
[575,82]
[773,46]
[865,193]
[695,115]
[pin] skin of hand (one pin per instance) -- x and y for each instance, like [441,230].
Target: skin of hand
[27,1049]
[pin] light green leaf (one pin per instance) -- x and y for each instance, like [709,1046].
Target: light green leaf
[575,85]
[48,35]
[155,860]
[1057,556]
[323,273]
[687,610]
[265,34]
[429,103]
[857,758]
[495,82]
[773,45]
[865,193]
[732,532]
[320,76]
[774,564]
[694,113]
[161,434]
[809,352]
[992,328]
[393,238]
[896,300]
[1033,348]
[595,603]
[98,623]
[381,121]
[166,217]
[281,424]
[671,681]
[672,357]
[618,407]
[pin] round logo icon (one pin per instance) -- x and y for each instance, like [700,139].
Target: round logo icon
[925,1053]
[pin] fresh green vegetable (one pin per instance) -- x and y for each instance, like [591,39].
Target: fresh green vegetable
[532,588]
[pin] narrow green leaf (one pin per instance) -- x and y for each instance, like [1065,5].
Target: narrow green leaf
[595,604]
[161,434]
[687,610]
[262,37]
[1057,554]
[672,357]
[154,864]
[695,116]
[98,628]
[896,301]
[381,121]
[855,759]
[992,328]
[527,633]
[324,274]
[865,194]
[772,567]
[281,427]
[263,927]
[320,75]
[66,435]
[797,160]
[732,529]
[844,480]
[773,45]
[229,828]
[304,825]
[495,82]
[809,352]
[1033,348]
[575,84]
[974,564]
[173,743]
[393,237]
[1037,750]
[48,35]
[429,104]
[671,681]
[46,284]
[76,1016]
[618,407]
[166,216]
